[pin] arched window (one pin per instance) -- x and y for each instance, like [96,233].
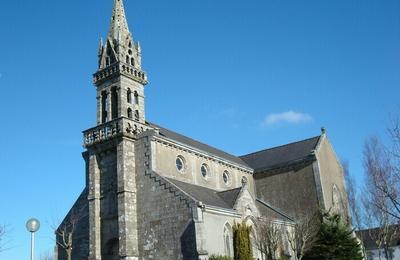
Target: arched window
[136,98]
[337,203]
[205,171]
[137,115]
[127,59]
[226,177]
[180,163]
[228,240]
[104,106]
[114,103]
[253,237]
[129,96]
[132,61]
[112,248]
[130,113]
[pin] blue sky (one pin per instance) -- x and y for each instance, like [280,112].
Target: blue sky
[241,76]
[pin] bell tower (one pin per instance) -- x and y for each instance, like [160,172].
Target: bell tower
[120,79]
[110,157]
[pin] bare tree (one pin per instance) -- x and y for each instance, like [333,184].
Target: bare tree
[381,200]
[2,234]
[354,206]
[46,256]
[4,242]
[65,232]
[303,234]
[269,237]
[385,233]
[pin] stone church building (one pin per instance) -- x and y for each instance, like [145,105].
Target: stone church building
[152,193]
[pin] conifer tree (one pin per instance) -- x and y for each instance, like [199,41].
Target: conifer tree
[336,240]
[241,242]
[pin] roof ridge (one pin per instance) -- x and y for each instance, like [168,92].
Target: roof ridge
[202,143]
[277,210]
[279,146]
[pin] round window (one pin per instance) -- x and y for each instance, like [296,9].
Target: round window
[226,177]
[204,171]
[180,163]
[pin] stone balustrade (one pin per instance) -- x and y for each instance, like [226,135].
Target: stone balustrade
[117,127]
[120,68]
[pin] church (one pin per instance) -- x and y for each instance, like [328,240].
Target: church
[152,193]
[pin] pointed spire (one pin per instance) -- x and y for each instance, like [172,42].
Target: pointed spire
[119,25]
[101,44]
[139,49]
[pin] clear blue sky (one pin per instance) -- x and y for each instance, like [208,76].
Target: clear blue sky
[239,75]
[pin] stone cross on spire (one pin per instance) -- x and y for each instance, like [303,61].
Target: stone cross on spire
[119,26]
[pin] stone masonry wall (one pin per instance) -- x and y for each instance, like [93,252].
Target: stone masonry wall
[331,173]
[166,154]
[292,192]
[164,219]
[78,216]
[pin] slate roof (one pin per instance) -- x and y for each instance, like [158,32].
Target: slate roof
[196,144]
[281,155]
[268,210]
[224,199]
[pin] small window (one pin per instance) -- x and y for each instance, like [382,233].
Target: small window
[129,96]
[227,178]
[132,61]
[129,113]
[136,98]
[180,163]
[137,115]
[127,59]
[204,171]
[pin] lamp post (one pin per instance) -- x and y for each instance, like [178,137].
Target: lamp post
[32,225]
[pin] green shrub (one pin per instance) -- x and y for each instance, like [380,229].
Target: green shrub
[219,257]
[241,242]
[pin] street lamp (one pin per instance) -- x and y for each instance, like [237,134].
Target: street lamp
[32,226]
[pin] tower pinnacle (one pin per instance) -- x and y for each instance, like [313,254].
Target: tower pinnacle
[119,26]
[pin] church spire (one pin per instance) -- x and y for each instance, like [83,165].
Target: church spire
[119,26]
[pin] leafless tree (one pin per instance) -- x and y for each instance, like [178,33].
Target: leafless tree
[2,234]
[381,200]
[46,256]
[386,230]
[269,238]
[303,234]
[65,232]
[354,205]
[4,242]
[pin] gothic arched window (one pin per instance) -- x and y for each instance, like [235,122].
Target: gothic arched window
[104,106]
[137,115]
[337,202]
[114,103]
[127,59]
[228,241]
[132,61]
[129,96]
[130,113]
[136,98]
